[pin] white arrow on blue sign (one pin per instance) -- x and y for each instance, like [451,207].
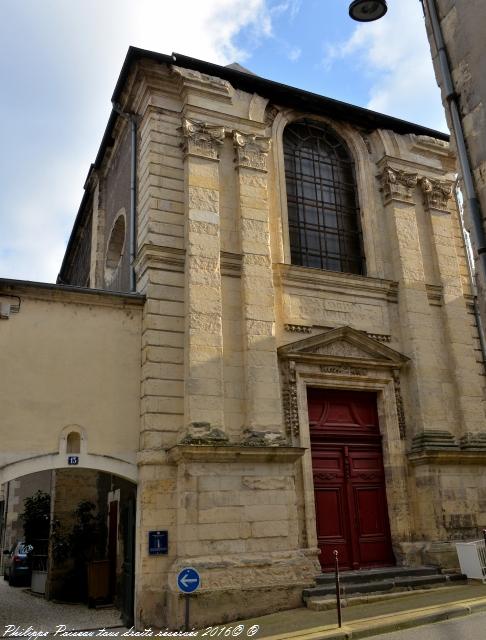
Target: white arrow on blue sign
[188,580]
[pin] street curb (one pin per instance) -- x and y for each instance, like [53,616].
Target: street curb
[398,622]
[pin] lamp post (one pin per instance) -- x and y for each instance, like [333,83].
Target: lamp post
[367,10]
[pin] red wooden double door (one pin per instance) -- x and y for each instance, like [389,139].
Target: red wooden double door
[349,479]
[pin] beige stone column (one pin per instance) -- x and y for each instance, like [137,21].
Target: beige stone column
[203,352]
[96,279]
[262,387]
[416,323]
[463,365]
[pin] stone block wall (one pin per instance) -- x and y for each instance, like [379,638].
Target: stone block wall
[222,303]
[463,22]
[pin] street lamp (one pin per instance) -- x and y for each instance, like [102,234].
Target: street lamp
[367,10]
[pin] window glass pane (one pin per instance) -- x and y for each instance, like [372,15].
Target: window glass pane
[322,204]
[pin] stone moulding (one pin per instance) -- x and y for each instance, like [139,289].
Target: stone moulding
[289,398]
[431,440]
[473,442]
[397,184]
[450,457]
[201,139]
[342,283]
[204,84]
[20,289]
[343,346]
[435,294]
[343,352]
[251,150]
[298,328]
[233,453]
[271,112]
[402,425]
[437,193]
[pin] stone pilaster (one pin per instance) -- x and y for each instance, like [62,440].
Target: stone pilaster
[203,357]
[463,365]
[398,191]
[96,280]
[262,387]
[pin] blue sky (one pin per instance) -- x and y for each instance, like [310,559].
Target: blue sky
[61,58]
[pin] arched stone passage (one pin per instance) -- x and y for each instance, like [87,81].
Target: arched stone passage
[46,462]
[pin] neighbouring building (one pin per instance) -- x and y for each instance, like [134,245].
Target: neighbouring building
[462,24]
[298,369]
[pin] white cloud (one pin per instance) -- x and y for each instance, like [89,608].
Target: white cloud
[394,54]
[294,54]
[63,61]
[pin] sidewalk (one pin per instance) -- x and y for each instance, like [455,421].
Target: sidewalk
[369,619]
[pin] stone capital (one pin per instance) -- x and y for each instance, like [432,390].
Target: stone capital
[251,151]
[437,193]
[397,184]
[201,139]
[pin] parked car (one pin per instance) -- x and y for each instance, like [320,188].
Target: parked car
[16,565]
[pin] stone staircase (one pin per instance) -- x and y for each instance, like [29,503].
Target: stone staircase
[376,584]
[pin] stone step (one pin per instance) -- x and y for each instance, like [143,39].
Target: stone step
[386,582]
[326,603]
[368,575]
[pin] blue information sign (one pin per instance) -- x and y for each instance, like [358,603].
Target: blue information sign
[158,542]
[188,580]
[73,460]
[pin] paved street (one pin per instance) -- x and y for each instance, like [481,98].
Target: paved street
[468,628]
[20,608]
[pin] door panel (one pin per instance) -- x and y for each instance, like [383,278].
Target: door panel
[349,481]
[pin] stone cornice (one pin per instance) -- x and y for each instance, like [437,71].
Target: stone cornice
[343,283]
[153,256]
[233,453]
[203,84]
[447,457]
[433,146]
[66,293]
[412,166]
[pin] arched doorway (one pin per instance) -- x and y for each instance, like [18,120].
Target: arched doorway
[88,555]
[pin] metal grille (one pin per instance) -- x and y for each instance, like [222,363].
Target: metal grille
[323,212]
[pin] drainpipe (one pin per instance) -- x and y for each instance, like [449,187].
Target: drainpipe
[474,288]
[454,113]
[132,118]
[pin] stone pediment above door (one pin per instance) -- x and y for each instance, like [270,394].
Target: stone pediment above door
[343,345]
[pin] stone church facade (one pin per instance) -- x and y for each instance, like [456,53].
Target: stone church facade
[311,377]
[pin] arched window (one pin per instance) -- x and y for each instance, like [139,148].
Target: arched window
[114,251]
[73,443]
[323,211]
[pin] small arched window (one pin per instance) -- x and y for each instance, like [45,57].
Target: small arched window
[323,212]
[115,247]
[73,442]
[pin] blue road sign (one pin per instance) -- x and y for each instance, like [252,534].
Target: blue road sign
[158,543]
[188,580]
